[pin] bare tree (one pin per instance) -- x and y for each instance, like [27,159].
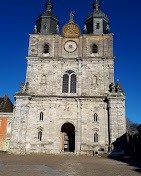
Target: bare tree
[132,127]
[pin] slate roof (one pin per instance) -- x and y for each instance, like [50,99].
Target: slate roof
[5,104]
[48,14]
[98,14]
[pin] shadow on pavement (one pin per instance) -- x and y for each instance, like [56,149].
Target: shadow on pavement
[137,170]
[131,162]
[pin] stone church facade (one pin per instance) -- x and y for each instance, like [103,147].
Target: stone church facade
[69,102]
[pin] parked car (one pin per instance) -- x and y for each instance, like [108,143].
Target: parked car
[116,153]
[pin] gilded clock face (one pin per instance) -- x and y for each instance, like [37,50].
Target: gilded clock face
[70,46]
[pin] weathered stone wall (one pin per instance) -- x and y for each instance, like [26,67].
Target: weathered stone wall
[117,116]
[94,72]
[57,111]
[19,125]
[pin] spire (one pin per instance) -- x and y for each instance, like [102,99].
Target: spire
[49,6]
[96,5]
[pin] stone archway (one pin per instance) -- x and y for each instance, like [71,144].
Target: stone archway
[68,137]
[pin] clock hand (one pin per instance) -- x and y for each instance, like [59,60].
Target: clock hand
[70,46]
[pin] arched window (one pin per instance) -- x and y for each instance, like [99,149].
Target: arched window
[95,137]
[39,135]
[65,83]
[41,116]
[73,83]
[69,82]
[95,117]
[94,48]
[46,49]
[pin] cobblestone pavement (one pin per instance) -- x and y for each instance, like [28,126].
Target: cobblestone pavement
[65,165]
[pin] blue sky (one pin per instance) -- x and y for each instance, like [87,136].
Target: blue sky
[17,22]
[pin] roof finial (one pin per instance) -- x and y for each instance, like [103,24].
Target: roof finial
[85,29]
[96,5]
[49,6]
[71,17]
[35,30]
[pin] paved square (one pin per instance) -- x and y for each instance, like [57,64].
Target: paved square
[65,165]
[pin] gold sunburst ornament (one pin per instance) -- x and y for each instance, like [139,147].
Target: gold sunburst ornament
[71,30]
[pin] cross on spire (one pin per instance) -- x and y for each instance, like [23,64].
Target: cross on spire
[49,5]
[96,5]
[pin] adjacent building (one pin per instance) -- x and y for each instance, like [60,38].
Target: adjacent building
[6,113]
[69,102]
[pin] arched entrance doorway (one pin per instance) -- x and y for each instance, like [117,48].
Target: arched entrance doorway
[68,137]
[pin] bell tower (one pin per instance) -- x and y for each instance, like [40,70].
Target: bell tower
[47,22]
[97,22]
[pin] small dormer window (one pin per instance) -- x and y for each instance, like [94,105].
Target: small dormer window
[97,25]
[46,49]
[94,48]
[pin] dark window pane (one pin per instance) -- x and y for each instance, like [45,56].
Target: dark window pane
[40,135]
[45,26]
[97,26]
[41,116]
[46,48]
[73,84]
[65,83]
[94,49]
[95,117]
[95,137]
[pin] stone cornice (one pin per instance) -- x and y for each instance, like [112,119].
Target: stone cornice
[73,96]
